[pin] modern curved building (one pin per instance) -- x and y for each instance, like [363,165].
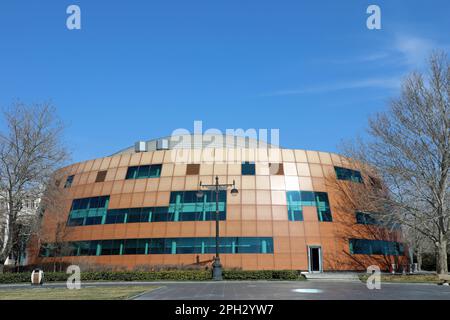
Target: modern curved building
[140,207]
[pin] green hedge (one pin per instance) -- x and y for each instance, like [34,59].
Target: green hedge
[175,275]
[262,275]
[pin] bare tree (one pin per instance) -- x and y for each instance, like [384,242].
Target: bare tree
[375,222]
[409,146]
[53,231]
[31,149]
[418,243]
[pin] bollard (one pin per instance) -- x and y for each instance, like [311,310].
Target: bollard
[37,277]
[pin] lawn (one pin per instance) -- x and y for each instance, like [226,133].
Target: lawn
[85,293]
[412,278]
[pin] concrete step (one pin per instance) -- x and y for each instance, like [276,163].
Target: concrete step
[353,276]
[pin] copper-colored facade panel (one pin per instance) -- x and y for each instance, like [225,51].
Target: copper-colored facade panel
[288,155]
[263,197]
[146,158]
[135,159]
[313,156]
[264,212]
[248,182]
[248,197]
[305,183]
[233,212]
[248,212]
[316,170]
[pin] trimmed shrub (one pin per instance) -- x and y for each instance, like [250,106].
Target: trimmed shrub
[171,275]
[262,275]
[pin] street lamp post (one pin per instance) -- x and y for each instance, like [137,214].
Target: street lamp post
[217,266]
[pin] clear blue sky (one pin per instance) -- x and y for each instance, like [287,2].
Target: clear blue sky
[140,69]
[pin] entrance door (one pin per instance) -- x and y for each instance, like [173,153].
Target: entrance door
[315,259]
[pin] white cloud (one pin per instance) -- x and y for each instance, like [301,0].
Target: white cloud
[385,83]
[405,51]
[414,50]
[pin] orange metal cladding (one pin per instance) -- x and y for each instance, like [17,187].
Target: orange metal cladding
[259,210]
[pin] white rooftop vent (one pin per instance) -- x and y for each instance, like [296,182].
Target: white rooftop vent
[162,144]
[140,146]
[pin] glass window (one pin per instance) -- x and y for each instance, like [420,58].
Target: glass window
[379,247]
[93,203]
[232,245]
[134,215]
[69,181]
[248,169]
[75,204]
[115,216]
[186,245]
[159,214]
[186,206]
[103,202]
[130,246]
[297,199]
[143,172]
[348,174]
[307,198]
[110,247]
[323,207]
[294,205]
[156,246]
[75,222]
[366,218]
[84,203]
[88,211]
[131,173]
[155,170]
[93,221]
[87,248]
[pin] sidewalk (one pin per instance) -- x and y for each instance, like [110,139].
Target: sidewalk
[334,276]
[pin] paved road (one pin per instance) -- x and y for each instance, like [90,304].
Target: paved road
[303,290]
[260,290]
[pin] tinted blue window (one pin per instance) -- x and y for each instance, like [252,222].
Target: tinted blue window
[232,245]
[74,222]
[380,247]
[93,221]
[160,214]
[155,170]
[69,182]
[132,173]
[297,199]
[156,246]
[93,203]
[87,248]
[84,203]
[144,172]
[88,211]
[294,206]
[348,174]
[110,247]
[134,215]
[134,246]
[323,206]
[248,169]
[186,206]
[115,216]
[366,218]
